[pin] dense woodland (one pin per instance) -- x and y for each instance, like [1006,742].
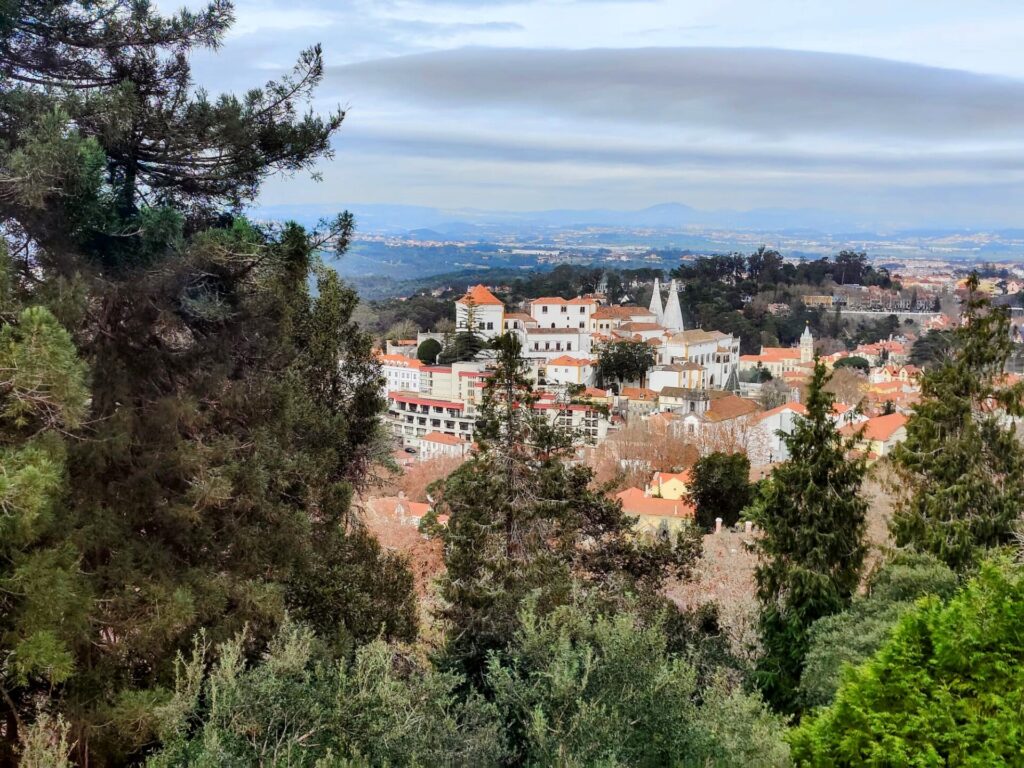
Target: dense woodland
[183,424]
[729,293]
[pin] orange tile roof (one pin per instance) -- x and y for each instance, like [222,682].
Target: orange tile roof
[791,406]
[686,477]
[595,392]
[616,311]
[578,362]
[636,502]
[559,300]
[481,296]
[778,354]
[877,428]
[634,327]
[730,407]
[441,437]
[400,360]
[639,393]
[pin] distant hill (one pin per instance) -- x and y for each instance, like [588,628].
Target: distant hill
[468,223]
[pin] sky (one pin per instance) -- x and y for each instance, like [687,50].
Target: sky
[902,114]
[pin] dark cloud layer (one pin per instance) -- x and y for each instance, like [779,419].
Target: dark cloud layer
[773,94]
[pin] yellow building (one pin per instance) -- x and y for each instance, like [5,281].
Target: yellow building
[656,517]
[670,485]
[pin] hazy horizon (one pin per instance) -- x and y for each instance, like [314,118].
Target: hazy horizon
[894,117]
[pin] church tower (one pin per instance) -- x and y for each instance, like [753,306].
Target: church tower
[806,345]
[655,307]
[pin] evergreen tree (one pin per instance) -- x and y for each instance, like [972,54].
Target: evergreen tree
[43,597]
[961,469]
[231,414]
[523,521]
[812,547]
[620,361]
[466,343]
[720,488]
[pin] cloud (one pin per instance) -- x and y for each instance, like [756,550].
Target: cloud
[773,95]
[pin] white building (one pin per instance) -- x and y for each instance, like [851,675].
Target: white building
[549,343]
[555,312]
[716,352]
[401,372]
[571,370]
[436,445]
[481,309]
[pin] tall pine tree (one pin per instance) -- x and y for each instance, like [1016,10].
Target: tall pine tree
[231,413]
[961,468]
[524,520]
[812,547]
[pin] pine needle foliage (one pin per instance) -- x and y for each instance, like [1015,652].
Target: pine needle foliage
[812,546]
[961,469]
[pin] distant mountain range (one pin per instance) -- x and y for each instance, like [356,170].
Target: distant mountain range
[470,222]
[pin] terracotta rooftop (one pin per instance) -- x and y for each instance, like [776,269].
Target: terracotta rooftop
[579,362]
[877,428]
[636,502]
[639,393]
[441,437]
[730,407]
[481,296]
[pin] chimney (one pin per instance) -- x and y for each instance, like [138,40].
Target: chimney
[748,527]
[718,525]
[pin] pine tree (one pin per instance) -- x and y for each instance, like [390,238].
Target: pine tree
[231,413]
[812,547]
[43,597]
[961,469]
[525,521]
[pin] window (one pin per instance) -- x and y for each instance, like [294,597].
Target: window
[564,310]
[568,346]
[536,346]
[583,311]
[547,345]
[544,309]
[490,326]
[581,324]
[558,345]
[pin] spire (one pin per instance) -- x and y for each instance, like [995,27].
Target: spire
[806,345]
[673,319]
[659,314]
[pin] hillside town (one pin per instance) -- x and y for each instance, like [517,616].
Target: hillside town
[699,384]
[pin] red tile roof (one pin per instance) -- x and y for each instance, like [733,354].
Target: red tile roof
[571,361]
[481,296]
[636,502]
[877,428]
[441,437]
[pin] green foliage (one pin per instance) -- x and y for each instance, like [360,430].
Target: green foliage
[297,707]
[45,743]
[621,361]
[961,469]
[464,345]
[812,548]
[428,351]
[851,637]
[577,689]
[523,521]
[43,601]
[720,488]
[932,348]
[854,361]
[202,477]
[947,688]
